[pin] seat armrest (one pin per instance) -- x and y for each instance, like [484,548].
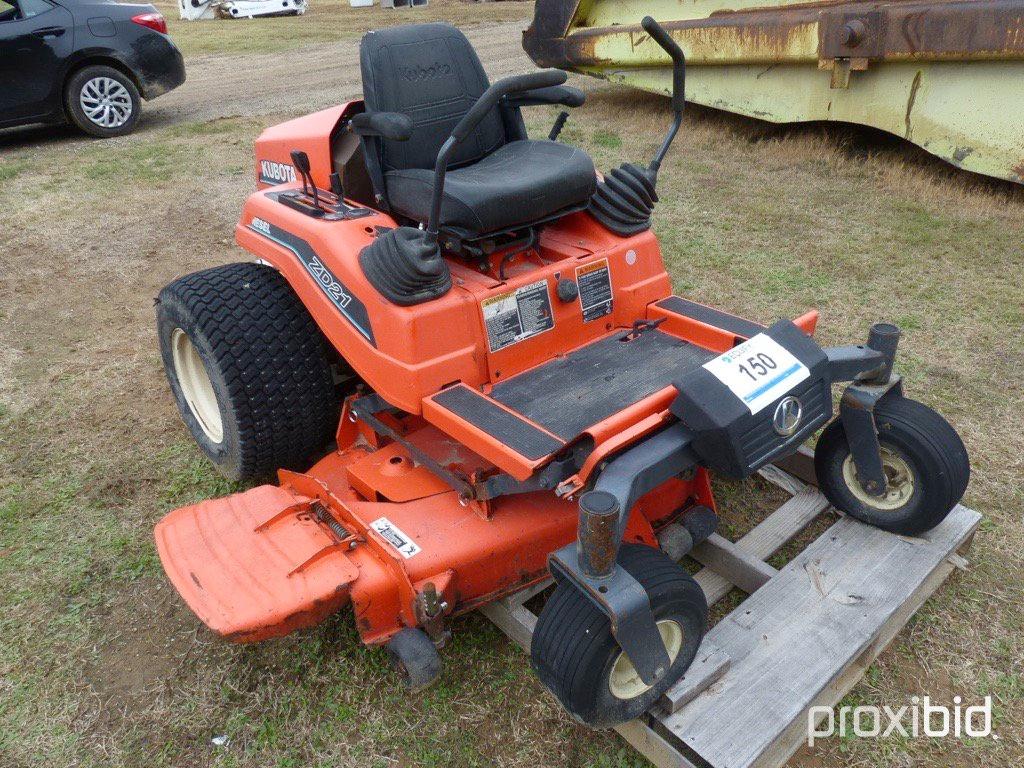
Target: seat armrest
[565,95]
[389,125]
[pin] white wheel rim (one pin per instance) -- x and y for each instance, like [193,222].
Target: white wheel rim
[106,102]
[899,482]
[624,682]
[196,387]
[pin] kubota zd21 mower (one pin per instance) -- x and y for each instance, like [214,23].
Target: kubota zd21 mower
[485,329]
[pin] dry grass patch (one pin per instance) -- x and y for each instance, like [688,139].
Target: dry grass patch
[100,663]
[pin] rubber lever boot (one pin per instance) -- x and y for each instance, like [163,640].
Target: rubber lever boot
[625,199]
[405,265]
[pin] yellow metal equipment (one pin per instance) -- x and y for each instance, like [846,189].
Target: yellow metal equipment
[948,76]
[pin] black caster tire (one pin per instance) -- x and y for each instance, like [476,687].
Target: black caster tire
[925,462]
[576,657]
[102,101]
[415,657]
[249,369]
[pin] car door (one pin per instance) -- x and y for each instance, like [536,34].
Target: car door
[35,38]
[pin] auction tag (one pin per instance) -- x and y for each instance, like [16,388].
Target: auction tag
[758,371]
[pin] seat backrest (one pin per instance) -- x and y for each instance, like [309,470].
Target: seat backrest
[431,73]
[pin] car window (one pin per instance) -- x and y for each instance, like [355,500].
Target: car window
[8,11]
[30,8]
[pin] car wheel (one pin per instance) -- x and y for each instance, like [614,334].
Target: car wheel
[102,101]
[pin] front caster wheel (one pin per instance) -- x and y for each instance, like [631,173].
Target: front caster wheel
[413,654]
[576,657]
[925,463]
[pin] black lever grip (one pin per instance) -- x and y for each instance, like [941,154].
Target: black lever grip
[487,101]
[659,34]
[543,79]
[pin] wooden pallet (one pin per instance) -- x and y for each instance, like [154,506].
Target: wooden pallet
[803,638]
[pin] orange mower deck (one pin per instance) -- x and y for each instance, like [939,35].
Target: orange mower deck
[262,564]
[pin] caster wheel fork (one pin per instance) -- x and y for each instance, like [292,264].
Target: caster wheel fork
[576,656]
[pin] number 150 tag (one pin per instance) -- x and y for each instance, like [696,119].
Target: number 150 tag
[758,371]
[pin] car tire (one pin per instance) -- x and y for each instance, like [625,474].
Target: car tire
[251,372]
[102,101]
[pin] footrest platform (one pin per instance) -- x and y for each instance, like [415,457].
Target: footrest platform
[530,416]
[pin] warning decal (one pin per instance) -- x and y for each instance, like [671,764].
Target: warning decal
[595,283]
[396,538]
[517,315]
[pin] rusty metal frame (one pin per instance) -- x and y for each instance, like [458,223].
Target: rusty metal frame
[897,31]
[942,74]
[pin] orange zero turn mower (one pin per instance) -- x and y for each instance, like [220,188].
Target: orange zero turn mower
[472,338]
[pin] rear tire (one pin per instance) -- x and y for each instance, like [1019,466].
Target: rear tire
[577,658]
[924,459]
[249,369]
[111,98]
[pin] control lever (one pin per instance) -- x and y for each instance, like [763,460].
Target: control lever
[664,40]
[336,187]
[301,162]
[559,124]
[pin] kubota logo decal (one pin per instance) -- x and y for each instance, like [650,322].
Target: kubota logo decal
[419,72]
[276,173]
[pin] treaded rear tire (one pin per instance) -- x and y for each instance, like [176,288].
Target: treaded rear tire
[573,650]
[269,365]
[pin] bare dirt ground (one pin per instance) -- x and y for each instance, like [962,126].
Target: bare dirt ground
[100,664]
[320,76]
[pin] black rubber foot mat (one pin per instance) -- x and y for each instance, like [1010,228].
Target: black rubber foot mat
[571,393]
[710,316]
[511,430]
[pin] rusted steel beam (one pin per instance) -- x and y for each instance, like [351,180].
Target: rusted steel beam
[943,74]
[896,31]
[935,31]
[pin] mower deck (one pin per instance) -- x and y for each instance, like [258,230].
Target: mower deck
[252,565]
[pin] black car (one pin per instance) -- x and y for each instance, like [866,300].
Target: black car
[88,61]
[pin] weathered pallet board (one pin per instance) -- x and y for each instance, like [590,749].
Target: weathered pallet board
[803,638]
[844,596]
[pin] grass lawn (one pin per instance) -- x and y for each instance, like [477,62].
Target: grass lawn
[101,665]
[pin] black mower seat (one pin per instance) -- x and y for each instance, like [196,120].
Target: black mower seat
[519,183]
[497,179]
